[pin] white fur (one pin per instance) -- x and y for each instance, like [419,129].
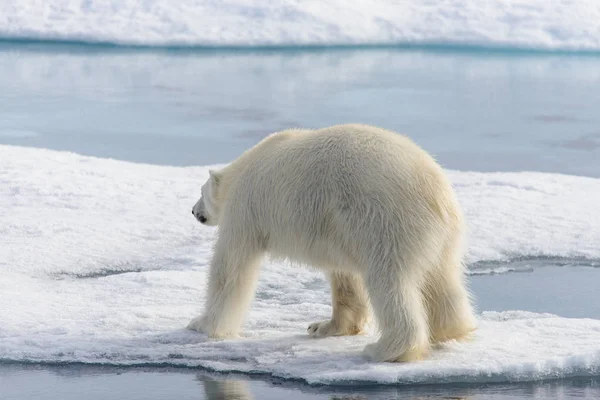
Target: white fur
[366,205]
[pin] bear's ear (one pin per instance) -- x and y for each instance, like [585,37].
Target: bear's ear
[215,176]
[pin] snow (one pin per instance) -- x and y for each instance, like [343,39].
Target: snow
[538,24]
[102,262]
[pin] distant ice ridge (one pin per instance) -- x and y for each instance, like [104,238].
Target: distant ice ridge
[102,262]
[533,24]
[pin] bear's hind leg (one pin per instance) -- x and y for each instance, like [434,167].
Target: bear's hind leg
[350,307]
[231,285]
[398,305]
[448,304]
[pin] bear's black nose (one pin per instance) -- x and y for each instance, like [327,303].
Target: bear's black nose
[202,219]
[193,212]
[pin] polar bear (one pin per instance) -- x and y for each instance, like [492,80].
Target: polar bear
[364,204]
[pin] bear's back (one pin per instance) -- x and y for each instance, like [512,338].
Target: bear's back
[344,167]
[338,163]
[363,158]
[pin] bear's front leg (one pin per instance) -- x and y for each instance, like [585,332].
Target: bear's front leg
[231,285]
[350,307]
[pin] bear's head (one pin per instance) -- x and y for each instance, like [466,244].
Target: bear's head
[207,209]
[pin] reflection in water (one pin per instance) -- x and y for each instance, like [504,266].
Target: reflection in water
[226,390]
[231,389]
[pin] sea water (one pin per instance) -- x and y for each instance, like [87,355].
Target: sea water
[473,109]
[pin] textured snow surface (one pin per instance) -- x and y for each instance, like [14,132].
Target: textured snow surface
[101,262]
[542,24]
